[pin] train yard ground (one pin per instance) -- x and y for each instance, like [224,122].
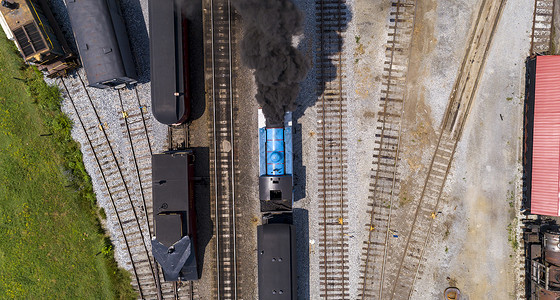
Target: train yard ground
[406,151]
[52,244]
[401,63]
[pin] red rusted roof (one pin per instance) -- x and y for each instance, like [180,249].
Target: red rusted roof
[546,137]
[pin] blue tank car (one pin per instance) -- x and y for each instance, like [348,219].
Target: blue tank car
[276,165]
[277,159]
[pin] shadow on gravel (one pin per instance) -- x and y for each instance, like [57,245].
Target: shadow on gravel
[329,43]
[314,45]
[301,222]
[138,37]
[204,225]
[61,15]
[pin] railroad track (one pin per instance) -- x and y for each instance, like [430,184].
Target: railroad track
[127,180]
[385,184]
[118,184]
[137,128]
[223,158]
[409,261]
[331,138]
[542,26]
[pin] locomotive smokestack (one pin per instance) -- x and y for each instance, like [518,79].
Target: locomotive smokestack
[267,48]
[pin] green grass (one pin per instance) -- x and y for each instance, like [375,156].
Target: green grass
[512,235]
[51,243]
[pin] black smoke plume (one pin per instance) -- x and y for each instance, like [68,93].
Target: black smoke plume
[267,48]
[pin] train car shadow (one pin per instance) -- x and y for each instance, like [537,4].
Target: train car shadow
[301,222]
[196,59]
[312,45]
[204,225]
[61,15]
[138,37]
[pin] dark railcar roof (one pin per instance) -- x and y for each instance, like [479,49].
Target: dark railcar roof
[174,215]
[102,42]
[166,61]
[170,176]
[277,261]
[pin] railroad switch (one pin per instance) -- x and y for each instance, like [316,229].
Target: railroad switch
[340,221]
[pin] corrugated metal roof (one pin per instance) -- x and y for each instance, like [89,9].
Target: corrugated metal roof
[546,137]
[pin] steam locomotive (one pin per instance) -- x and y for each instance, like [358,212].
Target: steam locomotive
[276,237]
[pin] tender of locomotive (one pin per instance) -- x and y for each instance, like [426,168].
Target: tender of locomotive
[30,23]
[169,61]
[174,215]
[102,41]
[276,237]
[277,261]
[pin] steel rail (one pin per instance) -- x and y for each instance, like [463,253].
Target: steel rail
[140,106]
[135,272]
[232,151]
[119,169]
[227,166]
[329,167]
[215,149]
[454,131]
[136,165]
[145,207]
[399,4]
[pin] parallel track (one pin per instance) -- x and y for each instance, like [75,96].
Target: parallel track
[409,264]
[331,108]
[223,151]
[542,26]
[138,131]
[129,189]
[385,184]
[118,184]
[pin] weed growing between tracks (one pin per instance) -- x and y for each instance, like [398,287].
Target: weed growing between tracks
[52,245]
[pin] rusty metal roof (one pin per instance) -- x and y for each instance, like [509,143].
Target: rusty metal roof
[546,137]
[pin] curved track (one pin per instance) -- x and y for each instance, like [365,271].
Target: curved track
[385,184]
[409,264]
[331,138]
[390,270]
[126,177]
[119,189]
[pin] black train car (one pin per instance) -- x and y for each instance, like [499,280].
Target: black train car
[169,61]
[102,41]
[174,215]
[276,241]
[277,261]
[30,23]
